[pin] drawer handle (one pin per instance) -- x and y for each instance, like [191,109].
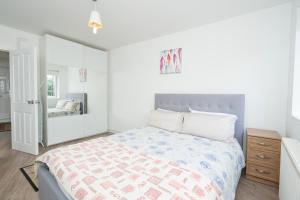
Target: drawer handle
[263,144]
[262,157]
[261,171]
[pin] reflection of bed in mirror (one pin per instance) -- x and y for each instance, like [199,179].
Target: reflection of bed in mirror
[71,104]
[65,124]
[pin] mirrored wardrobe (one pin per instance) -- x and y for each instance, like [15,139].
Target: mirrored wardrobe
[74,90]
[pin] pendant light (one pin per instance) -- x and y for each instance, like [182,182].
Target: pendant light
[95,20]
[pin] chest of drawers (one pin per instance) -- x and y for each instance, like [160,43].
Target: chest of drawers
[263,156]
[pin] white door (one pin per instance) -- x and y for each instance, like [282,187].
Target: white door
[24,100]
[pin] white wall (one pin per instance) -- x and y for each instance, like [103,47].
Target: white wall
[9,36]
[247,54]
[293,124]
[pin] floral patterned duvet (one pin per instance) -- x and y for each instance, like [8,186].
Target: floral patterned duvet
[221,162]
[147,163]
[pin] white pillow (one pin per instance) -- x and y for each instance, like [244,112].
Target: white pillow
[211,113]
[71,106]
[164,110]
[77,106]
[171,121]
[61,103]
[214,126]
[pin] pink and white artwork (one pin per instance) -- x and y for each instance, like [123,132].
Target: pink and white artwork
[171,61]
[82,74]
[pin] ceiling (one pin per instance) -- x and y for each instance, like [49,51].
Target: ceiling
[125,21]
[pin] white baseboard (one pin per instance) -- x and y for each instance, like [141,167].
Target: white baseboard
[113,131]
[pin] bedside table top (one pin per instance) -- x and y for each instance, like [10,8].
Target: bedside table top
[263,133]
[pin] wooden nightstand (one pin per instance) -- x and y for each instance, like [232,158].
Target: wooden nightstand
[263,156]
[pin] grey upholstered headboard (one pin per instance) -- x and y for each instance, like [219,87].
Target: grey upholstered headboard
[223,103]
[82,97]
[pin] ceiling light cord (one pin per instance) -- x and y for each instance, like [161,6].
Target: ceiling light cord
[95,4]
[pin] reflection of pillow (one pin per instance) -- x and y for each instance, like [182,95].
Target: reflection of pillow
[61,103]
[71,106]
[77,106]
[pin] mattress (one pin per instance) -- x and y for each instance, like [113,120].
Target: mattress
[55,112]
[220,162]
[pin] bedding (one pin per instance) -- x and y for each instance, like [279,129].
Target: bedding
[180,160]
[210,125]
[55,112]
[168,120]
[221,162]
[211,113]
[72,106]
[61,103]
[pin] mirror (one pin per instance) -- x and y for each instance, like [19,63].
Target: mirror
[64,91]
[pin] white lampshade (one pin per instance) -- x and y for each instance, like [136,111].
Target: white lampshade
[95,21]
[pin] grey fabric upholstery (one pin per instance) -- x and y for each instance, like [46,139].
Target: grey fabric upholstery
[223,103]
[48,187]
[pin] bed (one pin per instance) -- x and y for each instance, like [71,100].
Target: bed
[60,112]
[220,162]
[57,112]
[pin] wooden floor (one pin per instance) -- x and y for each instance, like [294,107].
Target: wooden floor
[14,186]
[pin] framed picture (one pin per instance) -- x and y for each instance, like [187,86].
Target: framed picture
[82,74]
[171,61]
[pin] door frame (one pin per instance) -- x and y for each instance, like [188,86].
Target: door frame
[7,51]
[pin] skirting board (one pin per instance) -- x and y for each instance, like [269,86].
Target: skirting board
[113,131]
[266,182]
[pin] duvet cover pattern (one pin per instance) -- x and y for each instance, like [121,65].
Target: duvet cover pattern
[104,169]
[221,162]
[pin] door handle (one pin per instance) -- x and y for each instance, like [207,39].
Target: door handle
[262,171]
[261,157]
[264,144]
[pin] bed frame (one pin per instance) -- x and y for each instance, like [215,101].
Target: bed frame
[225,103]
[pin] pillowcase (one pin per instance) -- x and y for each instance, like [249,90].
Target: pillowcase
[210,113]
[71,106]
[61,103]
[170,121]
[216,126]
[164,110]
[77,109]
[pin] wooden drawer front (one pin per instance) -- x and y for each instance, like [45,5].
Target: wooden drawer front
[268,158]
[266,173]
[263,144]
